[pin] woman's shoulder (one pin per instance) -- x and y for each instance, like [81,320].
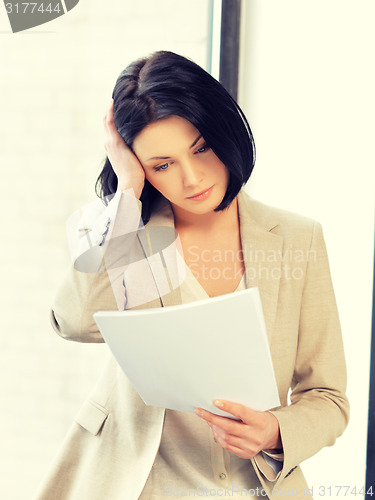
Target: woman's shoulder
[274,219]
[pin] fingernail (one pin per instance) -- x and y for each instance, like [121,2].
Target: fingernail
[199,412]
[218,403]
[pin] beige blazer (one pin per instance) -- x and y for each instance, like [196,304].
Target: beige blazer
[112,444]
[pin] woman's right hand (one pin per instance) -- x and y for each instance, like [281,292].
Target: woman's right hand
[129,171]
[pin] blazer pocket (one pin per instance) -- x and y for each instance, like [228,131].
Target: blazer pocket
[91,416]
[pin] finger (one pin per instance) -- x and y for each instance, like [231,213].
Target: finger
[110,111]
[109,122]
[227,424]
[241,446]
[237,447]
[112,138]
[108,116]
[240,411]
[246,440]
[240,453]
[106,112]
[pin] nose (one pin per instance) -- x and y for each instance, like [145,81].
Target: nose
[191,176]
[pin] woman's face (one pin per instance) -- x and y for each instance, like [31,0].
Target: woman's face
[178,163]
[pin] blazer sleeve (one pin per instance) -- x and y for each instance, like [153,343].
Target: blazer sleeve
[319,409]
[97,238]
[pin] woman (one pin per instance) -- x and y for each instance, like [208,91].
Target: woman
[179,151]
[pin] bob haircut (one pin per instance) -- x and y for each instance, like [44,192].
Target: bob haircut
[166,84]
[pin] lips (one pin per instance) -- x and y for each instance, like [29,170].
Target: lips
[201,195]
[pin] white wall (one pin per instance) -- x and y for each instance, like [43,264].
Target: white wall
[307,87]
[56,82]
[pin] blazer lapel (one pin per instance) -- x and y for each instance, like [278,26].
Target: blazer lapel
[262,251]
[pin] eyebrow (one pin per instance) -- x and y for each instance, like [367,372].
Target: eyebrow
[196,140]
[167,157]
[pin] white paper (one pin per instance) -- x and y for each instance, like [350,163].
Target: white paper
[186,356]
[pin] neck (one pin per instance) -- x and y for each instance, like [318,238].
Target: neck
[207,222]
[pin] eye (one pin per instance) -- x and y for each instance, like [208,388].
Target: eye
[161,167]
[202,149]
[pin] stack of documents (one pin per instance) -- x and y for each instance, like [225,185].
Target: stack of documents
[186,356]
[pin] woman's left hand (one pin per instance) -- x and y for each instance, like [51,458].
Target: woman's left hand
[256,430]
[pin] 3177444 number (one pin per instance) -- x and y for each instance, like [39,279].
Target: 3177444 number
[32,8]
[340,491]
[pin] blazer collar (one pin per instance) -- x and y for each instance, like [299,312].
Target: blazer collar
[262,252]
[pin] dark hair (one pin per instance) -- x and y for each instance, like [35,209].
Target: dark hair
[167,84]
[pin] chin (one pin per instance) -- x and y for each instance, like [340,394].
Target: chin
[203,209]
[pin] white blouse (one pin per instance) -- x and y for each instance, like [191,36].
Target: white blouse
[189,461]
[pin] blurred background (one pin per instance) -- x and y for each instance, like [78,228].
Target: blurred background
[306,83]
